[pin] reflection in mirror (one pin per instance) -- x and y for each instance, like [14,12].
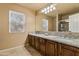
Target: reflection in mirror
[74,22]
[62,20]
[45,25]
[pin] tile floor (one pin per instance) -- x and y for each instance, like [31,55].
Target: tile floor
[19,51]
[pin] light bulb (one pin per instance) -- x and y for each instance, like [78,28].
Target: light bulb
[45,9]
[48,8]
[51,9]
[42,11]
[45,12]
[51,6]
[54,8]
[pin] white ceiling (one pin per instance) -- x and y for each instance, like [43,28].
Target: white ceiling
[34,6]
[65,8]
[61,8]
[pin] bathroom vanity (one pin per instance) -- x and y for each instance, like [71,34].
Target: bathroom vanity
[54,45]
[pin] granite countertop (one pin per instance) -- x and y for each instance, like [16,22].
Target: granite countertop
[72,42]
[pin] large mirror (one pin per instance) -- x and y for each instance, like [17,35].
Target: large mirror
[62,17]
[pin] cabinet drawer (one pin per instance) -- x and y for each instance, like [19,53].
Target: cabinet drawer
[51,48]
[42,46]
[37,43]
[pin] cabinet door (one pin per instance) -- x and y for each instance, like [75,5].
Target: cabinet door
[76,51]
[37,43]
[67,50]
[51,48]
[33,41]
[30,40]
[42,46]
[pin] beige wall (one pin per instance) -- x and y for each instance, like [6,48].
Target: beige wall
[7,39]
[51,22]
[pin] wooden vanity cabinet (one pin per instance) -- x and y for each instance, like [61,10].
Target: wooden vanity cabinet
[42,46]
[51,48]
[65,50]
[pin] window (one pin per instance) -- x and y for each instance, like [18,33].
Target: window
[45,25]
[74,23]
[16,22]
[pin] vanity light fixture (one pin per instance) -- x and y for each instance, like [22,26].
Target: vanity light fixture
[48,9]
[42,11]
